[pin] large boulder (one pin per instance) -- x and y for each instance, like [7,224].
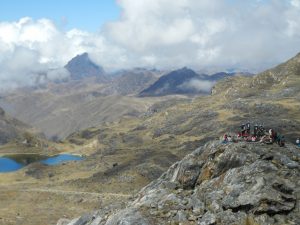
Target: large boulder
[220,184]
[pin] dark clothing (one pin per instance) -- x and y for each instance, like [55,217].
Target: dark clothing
[255,131]
[261,131]
[274,136]
[280,140]
[243,128]
[248,128]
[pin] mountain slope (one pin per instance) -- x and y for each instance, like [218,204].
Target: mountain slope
[171,83]
[60,114]
[12,129]
[81,66]
[131,82]
[184,81]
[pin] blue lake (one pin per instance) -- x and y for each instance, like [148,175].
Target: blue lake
[15,162]
[8,165]
[61,158]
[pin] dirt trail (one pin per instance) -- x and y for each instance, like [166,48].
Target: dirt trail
[56,191]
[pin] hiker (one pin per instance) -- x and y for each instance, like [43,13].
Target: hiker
[229,138]
[280,140]
[248,128]
[261,131]
[273,135]
[253,138]
[298,142]
[243,128]
[225,139]
[255,130]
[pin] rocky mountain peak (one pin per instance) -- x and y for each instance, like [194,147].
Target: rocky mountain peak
[220,184]
[82,66]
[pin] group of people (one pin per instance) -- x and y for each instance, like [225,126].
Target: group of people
[245,133]
[259,134]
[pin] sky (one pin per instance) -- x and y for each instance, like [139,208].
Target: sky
[249,35]
[88,15]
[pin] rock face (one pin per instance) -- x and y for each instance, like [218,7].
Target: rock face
[220,184]
[81,66]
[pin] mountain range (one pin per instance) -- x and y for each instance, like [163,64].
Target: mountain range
[91,96]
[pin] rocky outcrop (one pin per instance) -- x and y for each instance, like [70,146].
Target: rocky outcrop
[221,184]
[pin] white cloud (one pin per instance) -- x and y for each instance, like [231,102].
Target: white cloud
[58,74]
[201,34]
[295,3]
[198,85]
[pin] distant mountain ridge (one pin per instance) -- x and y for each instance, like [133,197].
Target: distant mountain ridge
[81,66]
[183,81]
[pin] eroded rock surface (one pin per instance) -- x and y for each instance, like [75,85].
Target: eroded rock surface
[218,184]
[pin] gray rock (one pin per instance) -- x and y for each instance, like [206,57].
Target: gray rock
[207,219]
[126,217]
[63,222]
[181,216]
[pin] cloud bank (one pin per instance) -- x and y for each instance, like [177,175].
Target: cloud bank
[196,85]
[202,34]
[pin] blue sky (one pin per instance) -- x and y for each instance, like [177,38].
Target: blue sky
[88,15]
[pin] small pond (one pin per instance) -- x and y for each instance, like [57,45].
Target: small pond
[12,163]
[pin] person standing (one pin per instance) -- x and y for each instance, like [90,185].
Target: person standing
[248,128]
[255,130]
[243,128]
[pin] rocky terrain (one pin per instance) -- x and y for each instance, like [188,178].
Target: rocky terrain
[221,184]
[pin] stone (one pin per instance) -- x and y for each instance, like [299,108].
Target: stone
[181,216]
[207,219]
